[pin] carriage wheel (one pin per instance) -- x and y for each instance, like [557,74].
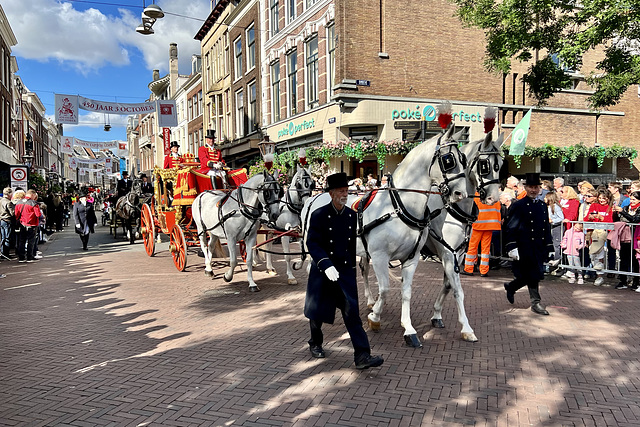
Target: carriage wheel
[148,230]
[243,250]
[178,247]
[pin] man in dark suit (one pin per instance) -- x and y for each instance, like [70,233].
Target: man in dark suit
[124,185]
[331,241]
[147,187]
[528,243]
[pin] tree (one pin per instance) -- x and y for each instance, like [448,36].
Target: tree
[561,32]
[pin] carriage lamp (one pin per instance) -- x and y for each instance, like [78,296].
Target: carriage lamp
[266,146]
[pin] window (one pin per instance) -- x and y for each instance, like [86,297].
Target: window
[239,114]
[311,3]
[226,53]
[292,63]
[251,48]
[238,54]
[312,71]
[274,16]
[251,89]
[227,110]
[331,46]
[275,91]
[292,10]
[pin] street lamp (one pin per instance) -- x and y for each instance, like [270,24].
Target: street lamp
[28,156]
[149,16]
[266,146]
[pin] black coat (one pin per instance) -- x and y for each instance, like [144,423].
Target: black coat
[331,241]
[528,229]
[147,188]
[85,216]
[123,188]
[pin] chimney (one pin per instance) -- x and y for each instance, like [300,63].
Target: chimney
[156,75]
[173,69]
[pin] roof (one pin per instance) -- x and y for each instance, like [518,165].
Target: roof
[211,19]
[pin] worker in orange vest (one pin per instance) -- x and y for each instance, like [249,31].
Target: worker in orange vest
[482,229]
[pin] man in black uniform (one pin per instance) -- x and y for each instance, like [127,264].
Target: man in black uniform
[147,187]
[529,243]
[124,185]
[331,241]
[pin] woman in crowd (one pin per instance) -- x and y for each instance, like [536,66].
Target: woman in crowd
[555,218]
[601,211]
[571,205]
[84,217]
[583,188]
[628,262]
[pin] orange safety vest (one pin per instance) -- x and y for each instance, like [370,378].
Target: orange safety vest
[488,216]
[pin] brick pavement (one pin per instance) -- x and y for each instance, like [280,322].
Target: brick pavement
[113,337]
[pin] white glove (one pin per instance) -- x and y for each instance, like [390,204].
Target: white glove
[332,273]
[552,255]
[513,254]
[77,225]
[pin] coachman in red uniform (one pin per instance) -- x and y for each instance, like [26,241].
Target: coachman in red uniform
[211,161]
[173,159]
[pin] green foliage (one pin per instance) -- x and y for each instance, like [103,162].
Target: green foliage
[572,152]
[38,183]
[544,34]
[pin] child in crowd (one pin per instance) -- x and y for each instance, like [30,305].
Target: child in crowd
[572,242]
[599,212]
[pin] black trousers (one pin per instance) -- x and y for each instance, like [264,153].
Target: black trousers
[533,285]
[352,321]
[85,240]
[628,262]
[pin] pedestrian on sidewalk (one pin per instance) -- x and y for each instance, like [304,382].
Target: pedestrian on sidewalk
[28,217]
[529,243]
[7,218]
[331,241]
[85,218]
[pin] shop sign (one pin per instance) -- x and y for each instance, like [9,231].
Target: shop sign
[291,129]
[429,113]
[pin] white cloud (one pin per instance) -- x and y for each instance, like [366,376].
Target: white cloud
[89,39]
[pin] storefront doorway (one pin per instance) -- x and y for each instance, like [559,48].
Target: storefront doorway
[361,170]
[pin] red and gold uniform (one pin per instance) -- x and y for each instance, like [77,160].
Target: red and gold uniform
[209,156]
[172,161]
[488,221]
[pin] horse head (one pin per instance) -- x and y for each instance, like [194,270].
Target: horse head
[136,186]
[452,165]
[269,196]
[302,185]
[484,167]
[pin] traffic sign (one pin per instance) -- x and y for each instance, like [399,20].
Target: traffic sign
[19,175]
[407,124]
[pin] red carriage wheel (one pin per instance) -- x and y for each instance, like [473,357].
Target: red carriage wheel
[178,247]
[148,230]
[243,250]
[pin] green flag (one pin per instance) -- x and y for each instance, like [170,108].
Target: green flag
[519,136]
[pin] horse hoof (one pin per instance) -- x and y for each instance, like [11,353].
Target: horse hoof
[208,273]
[271,272]
[469,336]
[254,289]
[437,323]
[412,341]
[227,279]
[370,306]
[292,281]
[374,326]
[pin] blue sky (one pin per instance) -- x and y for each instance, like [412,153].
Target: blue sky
[90,48]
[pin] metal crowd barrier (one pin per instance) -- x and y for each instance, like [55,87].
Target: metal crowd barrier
[611,263]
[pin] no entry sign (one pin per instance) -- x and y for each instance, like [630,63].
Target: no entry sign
[19,175]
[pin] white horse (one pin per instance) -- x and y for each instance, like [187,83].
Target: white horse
[393,226]
[235,216]
[291,204]
[449,231]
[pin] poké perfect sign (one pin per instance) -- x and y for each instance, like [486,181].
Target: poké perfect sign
[295,127]
[67,109]
[428,113]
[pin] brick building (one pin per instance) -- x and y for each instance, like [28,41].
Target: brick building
[337,69]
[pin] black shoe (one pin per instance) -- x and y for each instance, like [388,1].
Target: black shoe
[316,351]
[465,273]
[85,249]
[537,308]
[621,286]
[611,275]
[510,295]
[367,361]
[484,274]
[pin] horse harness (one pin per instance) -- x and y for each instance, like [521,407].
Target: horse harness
[483,164]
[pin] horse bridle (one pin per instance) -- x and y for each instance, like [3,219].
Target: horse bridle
[483,165]
[304,189]
[448,162]
[254,212]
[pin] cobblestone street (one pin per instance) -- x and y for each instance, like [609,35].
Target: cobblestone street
[114,337]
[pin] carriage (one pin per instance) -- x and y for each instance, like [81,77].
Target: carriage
[169,211]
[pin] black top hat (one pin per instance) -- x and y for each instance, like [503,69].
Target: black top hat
[143,175]
[174,144]
[211,134]
[125,173]
[83,192]
[337,180]
[532,179]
